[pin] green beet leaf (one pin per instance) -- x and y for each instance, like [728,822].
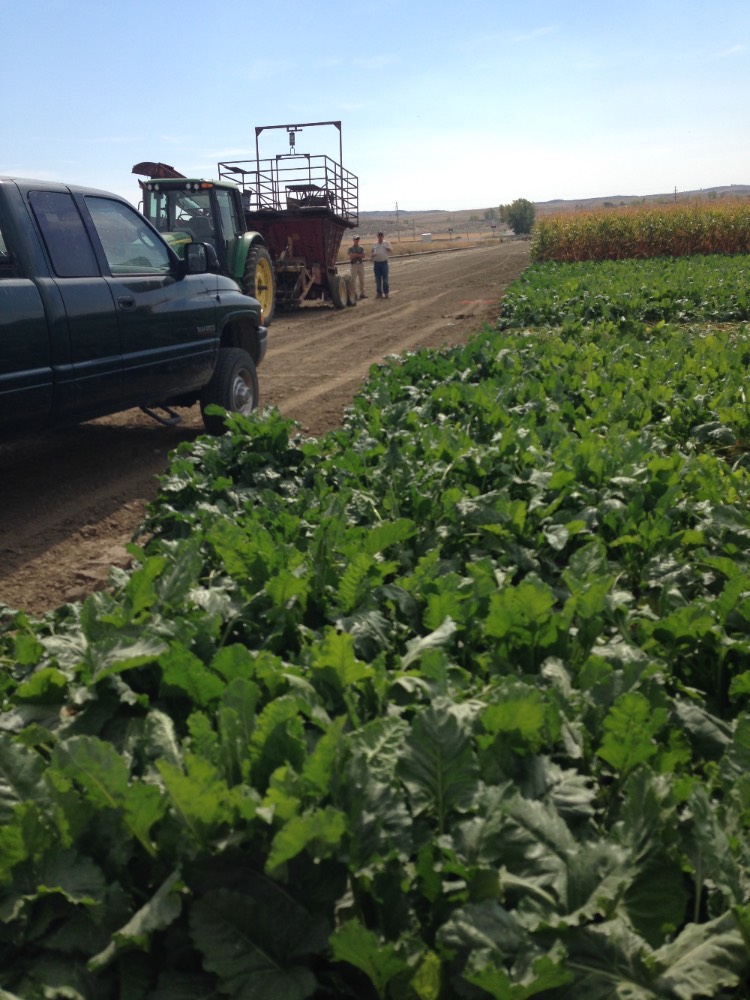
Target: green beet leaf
[319,832]
[702,960]
[158,913]
[630,730]
[21,776]
[361,948]
[257,949]
[439,766]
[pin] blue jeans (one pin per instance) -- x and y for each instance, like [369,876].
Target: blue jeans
[381,277]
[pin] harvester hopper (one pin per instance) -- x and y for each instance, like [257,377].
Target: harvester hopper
[301,204]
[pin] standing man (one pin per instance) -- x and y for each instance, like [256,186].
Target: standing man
[379,256]
[357,262]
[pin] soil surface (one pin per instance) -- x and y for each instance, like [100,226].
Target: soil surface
[72,499]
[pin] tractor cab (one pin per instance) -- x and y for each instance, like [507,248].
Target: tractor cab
[187,210]
[200,211]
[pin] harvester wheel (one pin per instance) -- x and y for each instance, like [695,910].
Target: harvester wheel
[337,286]
[351,291]
[259,280]
[233,386]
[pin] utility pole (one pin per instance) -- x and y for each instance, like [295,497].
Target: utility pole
[398,228]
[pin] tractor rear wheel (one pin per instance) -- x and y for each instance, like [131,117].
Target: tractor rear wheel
[337,287]
[259,281]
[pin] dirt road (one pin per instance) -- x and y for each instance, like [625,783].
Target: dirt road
[71,499]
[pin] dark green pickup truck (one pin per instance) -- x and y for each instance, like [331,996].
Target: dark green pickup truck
[98,315]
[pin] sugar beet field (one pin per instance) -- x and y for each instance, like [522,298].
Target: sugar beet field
[449,703]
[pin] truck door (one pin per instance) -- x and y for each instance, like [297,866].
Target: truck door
[232,226]
[167,321]
[84,335]
[26,388]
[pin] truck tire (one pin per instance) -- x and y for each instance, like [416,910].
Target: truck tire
[233,386]
[259,280]
[351,291]
[337,288]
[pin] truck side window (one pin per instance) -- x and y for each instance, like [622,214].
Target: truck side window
[64,234]
[129,244]
[4,252]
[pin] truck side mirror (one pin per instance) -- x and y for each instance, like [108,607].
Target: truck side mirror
[200,258]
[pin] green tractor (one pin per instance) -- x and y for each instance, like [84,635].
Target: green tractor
[186,210]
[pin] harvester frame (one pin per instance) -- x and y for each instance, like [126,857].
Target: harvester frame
[301,204]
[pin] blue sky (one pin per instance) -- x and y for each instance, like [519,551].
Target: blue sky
[444,104]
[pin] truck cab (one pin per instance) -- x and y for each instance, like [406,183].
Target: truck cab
[100,315]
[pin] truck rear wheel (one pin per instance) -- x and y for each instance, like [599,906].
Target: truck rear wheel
[233,386]
[259,281]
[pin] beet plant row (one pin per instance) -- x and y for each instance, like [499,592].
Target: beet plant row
[450,703]
[700,289]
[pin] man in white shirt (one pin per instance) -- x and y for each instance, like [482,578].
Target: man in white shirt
[379,257]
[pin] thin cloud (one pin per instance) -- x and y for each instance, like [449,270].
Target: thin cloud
[356,105]
[529,36]
[733,50]
[264,69]
[376,62]
[115,140]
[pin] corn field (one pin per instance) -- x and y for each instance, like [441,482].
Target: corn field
[661,231]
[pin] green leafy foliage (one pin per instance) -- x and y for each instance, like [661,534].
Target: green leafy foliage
[519,215]
[451,703]
[698,288]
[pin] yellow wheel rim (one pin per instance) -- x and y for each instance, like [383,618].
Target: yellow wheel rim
[264,285]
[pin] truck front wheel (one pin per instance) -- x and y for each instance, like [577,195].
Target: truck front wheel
[259,280]
[233,386]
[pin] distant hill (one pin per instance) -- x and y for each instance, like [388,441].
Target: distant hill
[412,224]
[727,191]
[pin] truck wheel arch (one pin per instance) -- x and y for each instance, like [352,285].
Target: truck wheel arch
[239,334]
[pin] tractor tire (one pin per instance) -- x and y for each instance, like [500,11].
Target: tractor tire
[337,288]
[259,280]
[351,291]
[233,386]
